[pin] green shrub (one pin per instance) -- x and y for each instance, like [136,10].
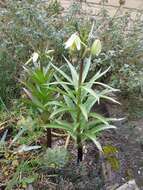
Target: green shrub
[27,27]
[122,38]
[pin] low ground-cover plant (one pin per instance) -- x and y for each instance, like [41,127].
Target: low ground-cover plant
[13,162]
[21,157]
[55,158]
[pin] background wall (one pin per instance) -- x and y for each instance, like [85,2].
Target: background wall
[91,6]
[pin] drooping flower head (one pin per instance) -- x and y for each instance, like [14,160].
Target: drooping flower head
[73,43]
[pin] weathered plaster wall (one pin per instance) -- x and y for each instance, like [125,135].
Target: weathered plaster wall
[92,5]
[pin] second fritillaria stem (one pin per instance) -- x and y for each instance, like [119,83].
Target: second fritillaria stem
[79,144]
[49,138]
[45,119]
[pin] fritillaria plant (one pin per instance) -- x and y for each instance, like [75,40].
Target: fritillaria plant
[79,96]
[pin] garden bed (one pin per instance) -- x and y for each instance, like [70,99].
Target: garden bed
[89,175]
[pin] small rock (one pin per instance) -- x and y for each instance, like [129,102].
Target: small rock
[112,187]
[30,187]
[130,185]
[139,172]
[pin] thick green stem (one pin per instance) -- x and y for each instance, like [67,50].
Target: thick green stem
[79,143]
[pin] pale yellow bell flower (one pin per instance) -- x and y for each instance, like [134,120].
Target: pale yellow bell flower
[73,43]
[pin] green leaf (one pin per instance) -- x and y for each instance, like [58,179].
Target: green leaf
[59,90]
[100,128]
[109,98]
[54,103]
[96,76]
[75,127]
[17,136]
[96,123]
[28,180]
[93,138]
[62,73]
[99,117]
[34,99]
[66,88]
[70,128]
[84,111]
[60,110]
[2,141]
[86,69]
[90,102]
[38,76]
[12,182]
[107,86]
[73,73]
[90,91]
[58,126]
[26,148]
[59,82]
[70,104]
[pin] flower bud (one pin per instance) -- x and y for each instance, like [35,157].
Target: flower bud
[35,57]
[96,48]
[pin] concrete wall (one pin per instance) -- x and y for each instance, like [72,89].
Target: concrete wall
[92,6]
[129,3]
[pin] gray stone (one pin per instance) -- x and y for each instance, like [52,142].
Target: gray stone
[130,185]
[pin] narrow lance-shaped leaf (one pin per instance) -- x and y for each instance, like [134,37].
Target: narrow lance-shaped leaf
[66,88]
[62,73]
[60,110]
[25,148]
[86,68]
[90,91]
[54,103]
[109,98]
[90,102]
[97,76]
[97,143]
[58,126]
[17,136]
[34,99]
[84,111]
[97,129]
[106,86]
[2,141]
[99,117]
[70,104]
[73,73]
